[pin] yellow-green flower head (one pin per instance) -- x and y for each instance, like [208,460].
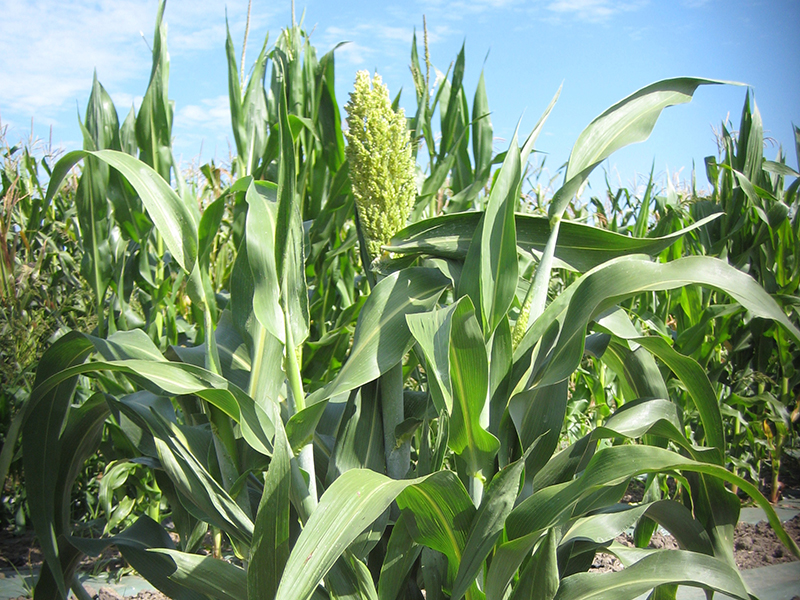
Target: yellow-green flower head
[381,166]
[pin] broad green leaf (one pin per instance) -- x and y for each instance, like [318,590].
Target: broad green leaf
[262,217]
[79,440]
[347,507]
[507,559]
[538,414]
[212,577]
[615,465]
[659,568]
[629,121]
[135,544]
[696,381]
[359,441]
[443,513]
[300,427]
[431,330]
[193,480]
[604,526]
[469,377]
[289,253]
[581,247]
[679,521]
[382,336]
[401,554]
[177,379]
[44,418]
[490,267]
[154,121]
[602,288]
[101,131]
[350,579]
[174,221]
[497,502]
[481,128]
[634,419]
[270,549]
[540,580]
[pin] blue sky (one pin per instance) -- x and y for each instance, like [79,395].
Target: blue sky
[601,50]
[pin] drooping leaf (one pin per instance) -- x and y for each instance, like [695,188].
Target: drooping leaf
[659,568]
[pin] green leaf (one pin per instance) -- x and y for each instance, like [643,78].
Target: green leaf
[469,377]
[262,214]
[697,383]
[659,568]
[350,579]
[44,418]
[443,512]
[347,507]
[497,502]
[615,465]
[382,336]
[490,267]
[359,441]
[602,288]
[135,544]
[289,239]
[481,128]
[629,121]
[300,427]
[192,479]
[270,549]
[401,554]
[174,221]
[206,575]
[580,247]
[154,121]
[540,580]
[539,413]
[432,332]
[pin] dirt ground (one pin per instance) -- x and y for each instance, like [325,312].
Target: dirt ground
[753,546]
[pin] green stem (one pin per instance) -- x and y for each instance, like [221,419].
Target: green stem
[306,457]
[398,458]
[78,589]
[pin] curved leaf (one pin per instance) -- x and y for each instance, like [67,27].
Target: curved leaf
[659,568]
[582,247]
[206,575]
[169,213]
[630,120]
[382,336]
[347,507]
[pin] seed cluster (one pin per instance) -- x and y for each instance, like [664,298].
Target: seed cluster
[381,166]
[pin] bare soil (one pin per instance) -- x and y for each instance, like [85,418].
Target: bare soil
[753,546]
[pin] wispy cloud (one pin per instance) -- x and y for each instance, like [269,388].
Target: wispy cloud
[458,8]
[592,10]
[65,40]
[205,124]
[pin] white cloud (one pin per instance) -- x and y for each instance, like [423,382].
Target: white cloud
[457,8]
[50,48]
[211,114]
[204,125]
[592,10]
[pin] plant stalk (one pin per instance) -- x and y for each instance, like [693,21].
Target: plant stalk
[305,459]
[397,457]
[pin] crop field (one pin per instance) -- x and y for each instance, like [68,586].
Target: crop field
[368,359]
